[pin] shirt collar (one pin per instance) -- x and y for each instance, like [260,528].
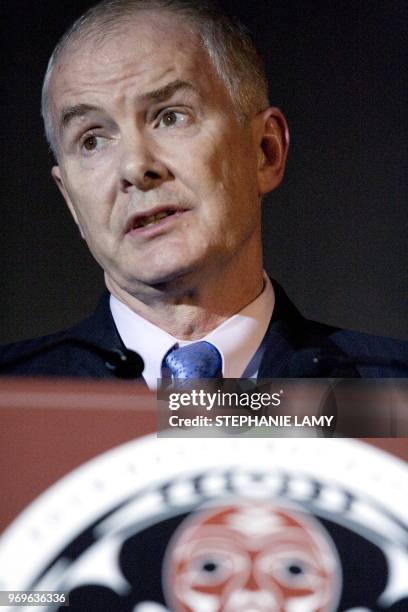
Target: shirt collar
[238,338]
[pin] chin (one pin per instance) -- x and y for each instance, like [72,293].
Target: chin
[159,279]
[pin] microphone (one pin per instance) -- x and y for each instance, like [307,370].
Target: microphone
[124,363]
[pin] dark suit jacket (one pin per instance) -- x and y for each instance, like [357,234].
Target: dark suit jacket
[294,347]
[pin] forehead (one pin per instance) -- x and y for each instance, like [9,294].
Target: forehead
[139,53]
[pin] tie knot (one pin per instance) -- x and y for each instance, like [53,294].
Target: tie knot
[197,360]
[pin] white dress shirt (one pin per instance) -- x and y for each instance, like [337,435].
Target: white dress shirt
[238,339]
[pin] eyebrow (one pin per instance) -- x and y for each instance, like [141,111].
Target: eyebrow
[163,93]
[72,112]
[158,95]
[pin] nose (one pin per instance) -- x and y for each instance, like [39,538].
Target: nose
[243,600]
[140,166]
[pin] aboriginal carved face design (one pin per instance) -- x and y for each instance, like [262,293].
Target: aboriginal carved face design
[253,556]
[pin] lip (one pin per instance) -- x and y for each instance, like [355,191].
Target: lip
[133,230]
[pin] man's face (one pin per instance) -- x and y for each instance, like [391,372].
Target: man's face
[158,170]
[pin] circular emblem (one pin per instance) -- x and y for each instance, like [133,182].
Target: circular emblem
[214,525]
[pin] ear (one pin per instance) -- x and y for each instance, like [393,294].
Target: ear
[273,144]
[57,176]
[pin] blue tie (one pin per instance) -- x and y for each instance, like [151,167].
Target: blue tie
[197,360]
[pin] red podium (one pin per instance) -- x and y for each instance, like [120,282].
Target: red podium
[49,428]
[122,520]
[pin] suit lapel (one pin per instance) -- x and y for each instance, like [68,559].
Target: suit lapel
[100,329]
[281,340]
[290,338]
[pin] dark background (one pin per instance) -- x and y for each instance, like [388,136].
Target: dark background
[336,230]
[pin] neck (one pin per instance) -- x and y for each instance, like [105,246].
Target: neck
[189,310]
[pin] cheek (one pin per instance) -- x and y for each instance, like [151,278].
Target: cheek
[223,182]
[93,199]
[238,174]
[209,162]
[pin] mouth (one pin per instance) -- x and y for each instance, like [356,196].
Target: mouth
[153,217]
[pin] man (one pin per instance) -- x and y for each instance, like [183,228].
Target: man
[158,116]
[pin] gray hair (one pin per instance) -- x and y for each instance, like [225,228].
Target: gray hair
[227,42]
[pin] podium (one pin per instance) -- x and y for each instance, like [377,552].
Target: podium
[96,506]
[48,428]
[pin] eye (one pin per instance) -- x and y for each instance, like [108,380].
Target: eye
[290,569]
[211,569]
[170,118]
[92,142]
[295,569]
